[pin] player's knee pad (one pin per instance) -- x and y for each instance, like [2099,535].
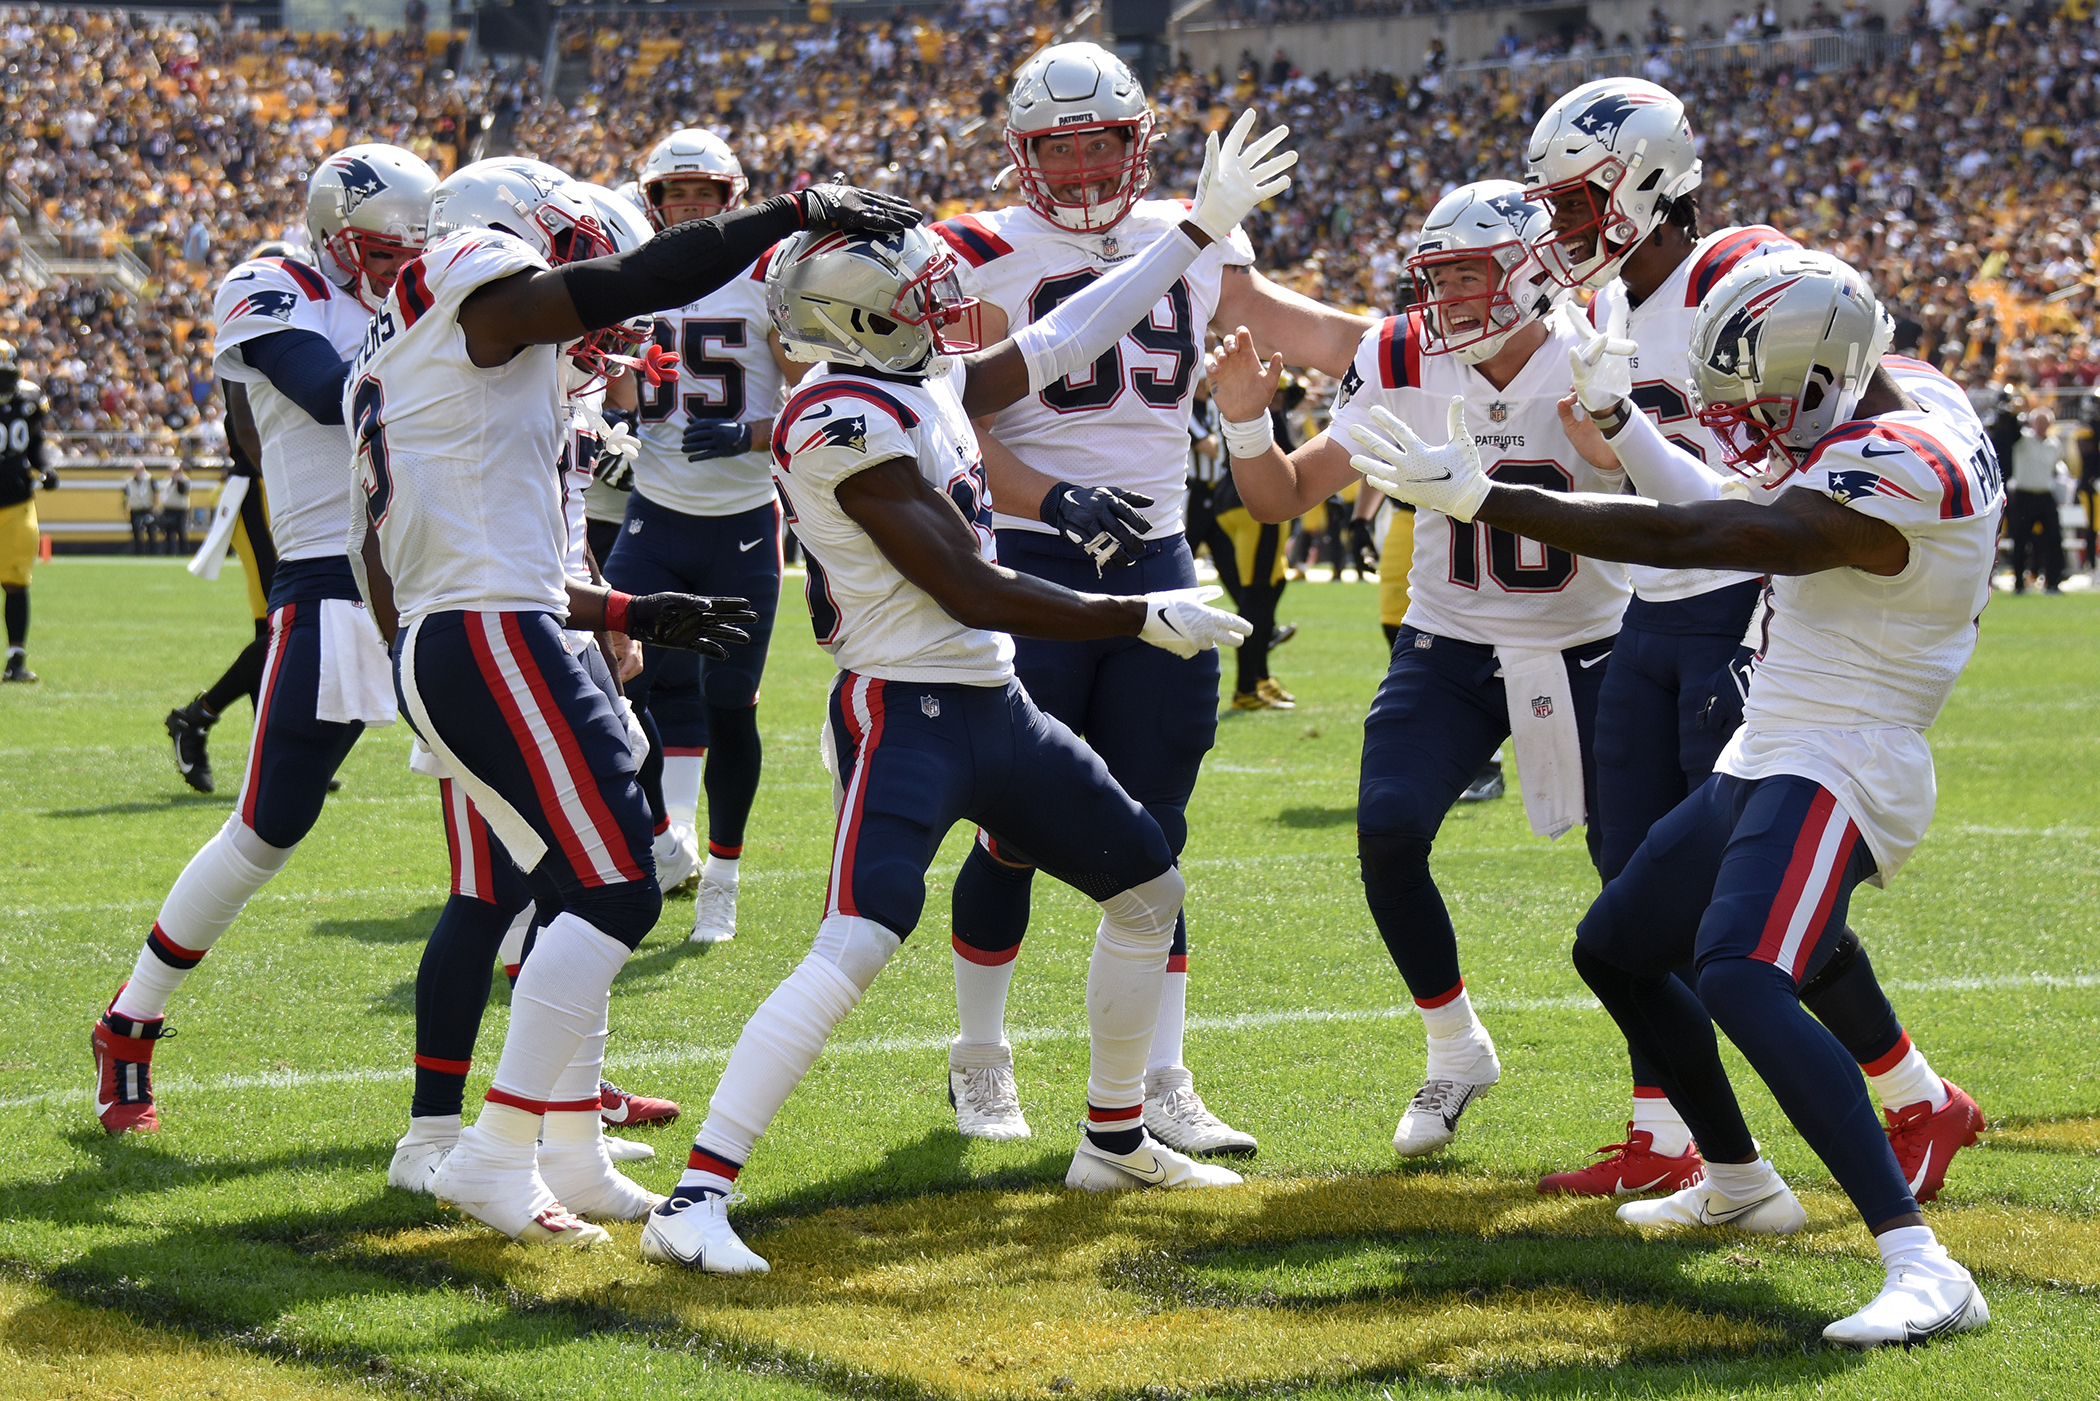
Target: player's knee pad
[1392,864]
[989,906]
[1388,807]
[267,860]
[1140,920]
[625,911]
[1845,951]
[1741,993]
[728,688]
[854,948]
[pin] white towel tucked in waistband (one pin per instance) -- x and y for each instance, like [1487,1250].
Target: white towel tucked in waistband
[1542,729]
[212,553]
[357,676]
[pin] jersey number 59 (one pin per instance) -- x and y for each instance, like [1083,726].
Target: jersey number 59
[1101,383]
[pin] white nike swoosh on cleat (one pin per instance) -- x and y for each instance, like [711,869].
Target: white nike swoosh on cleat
[1724,1218]
[1157,1174]
[1923,1168]
[745,545]
[615,1116]
[1627,1189]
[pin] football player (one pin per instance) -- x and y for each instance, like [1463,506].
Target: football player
[928,723]
[1088,476]
[22,471]
[1875,498]
[1615,162]
[1503,638]
[459,415]
[285,330]
[703,516]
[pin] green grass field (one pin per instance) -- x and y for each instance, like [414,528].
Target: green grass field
[253,1249]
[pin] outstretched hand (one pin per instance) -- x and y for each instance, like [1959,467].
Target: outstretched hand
[1602,362]
[689,622]
[852,209]
[1445,478]
[1241,382]
[1236,179]
[1182,622]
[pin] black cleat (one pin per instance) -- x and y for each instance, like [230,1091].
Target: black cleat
[1487,784]
[187,726]
[17,669]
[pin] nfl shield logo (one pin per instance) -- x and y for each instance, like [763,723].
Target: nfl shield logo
[1542,706]
[1109,246]
[930,707]
[1498,412]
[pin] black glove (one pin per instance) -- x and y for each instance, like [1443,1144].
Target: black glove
[715,437]
[50,479]
[851,208]
[1727,692]
[1099,520]
[689,622]
[1362,548]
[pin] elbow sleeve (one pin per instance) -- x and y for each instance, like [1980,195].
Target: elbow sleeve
[303,367]
[682,264]
[1659,469]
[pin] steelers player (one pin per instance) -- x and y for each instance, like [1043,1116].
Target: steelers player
[22,470]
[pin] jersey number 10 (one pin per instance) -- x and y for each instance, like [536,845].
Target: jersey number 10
[1517,565]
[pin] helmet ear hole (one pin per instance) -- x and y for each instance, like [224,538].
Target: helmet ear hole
[881,325]
[1812,393]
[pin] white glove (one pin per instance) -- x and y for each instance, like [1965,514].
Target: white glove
[1446,478]
[1177,621]
[1235,179]
[1602,362]
[618,439]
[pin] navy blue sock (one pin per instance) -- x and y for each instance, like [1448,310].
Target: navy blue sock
[452,991]
[989,906]
[1673,1039]
[1847,997]
[1409,912]
[734,757]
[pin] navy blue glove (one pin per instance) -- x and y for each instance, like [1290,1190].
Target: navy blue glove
[715,437]
[1102,520]
[1727,692]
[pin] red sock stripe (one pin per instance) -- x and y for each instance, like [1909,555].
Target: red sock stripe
[273,664]
[443,1067]
[592,1105]
[699,1160]
[727,853]
[1095,1114]
[1443,998]
[1882,1065]
[172,953]
[1177,963]
[685,751]
[1648,1092]
[530,1106]
[985,958]
[660,828]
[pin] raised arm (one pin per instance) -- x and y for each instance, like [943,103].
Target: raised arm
[1300,329]
[1274,488]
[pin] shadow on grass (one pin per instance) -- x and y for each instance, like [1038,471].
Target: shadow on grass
[411,928]
[1317,817]
[166,802]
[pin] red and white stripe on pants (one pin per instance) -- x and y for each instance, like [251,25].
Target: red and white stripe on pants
[467,838]
[1801,909]
[861,702]
[273,667]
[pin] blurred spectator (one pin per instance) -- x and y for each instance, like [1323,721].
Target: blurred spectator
[2038,484]
[175,512]
[139,496]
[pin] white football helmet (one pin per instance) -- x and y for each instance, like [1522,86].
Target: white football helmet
[1782,349]
[1608,160]
[552,213]
[1497,221]
[694,153]
[365,199]
[1072,90]
[883,301]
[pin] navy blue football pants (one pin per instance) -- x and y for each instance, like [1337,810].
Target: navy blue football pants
[1746,883]
[291,755]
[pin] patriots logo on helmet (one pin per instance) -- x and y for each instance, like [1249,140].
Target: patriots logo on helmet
[266,302]
[1741,332]
[850,433]
[1602,119]
[360,182]
[1847,487]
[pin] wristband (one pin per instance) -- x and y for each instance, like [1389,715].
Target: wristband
[616,610]
[1251,438]
[1611,422]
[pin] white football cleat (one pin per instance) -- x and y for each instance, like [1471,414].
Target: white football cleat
[981,1088]
[1915,1306]
[1177,1116]
[1777,1213]
[1094,1169]
[695,1232]
[582,1175]
[626,1150]
[1431,1120]
[677,857]
[714,911]
[514,1200]
[418,1152]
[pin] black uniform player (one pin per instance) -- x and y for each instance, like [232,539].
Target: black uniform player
[22,470]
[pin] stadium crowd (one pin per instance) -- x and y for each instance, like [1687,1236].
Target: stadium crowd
[1954,169]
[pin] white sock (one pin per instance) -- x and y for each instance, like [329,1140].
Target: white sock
[1453,1018]
[1173,1019]
[1658,1116]
[1908,1081]
[682,787]
[1744,1182]
[980,994]
[579,1081]
[778,1046]
[560,1000]
[1916,1248]
[511,951]
[1459,1046]
[502,1135]
[203,904]
[435,1128]
[1123,988]
[720,868]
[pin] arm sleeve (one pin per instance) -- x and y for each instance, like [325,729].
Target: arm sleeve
[680,265]
[304,368]
[1659,469]
[1082,329]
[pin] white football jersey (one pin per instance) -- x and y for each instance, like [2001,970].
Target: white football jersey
[1123,421]
[1662,374]
[1849,657]
[1474,582]
[460,466]
[305,465]
[726,369]
[579,449]
[866,614]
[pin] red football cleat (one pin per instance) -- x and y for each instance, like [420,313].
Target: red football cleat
[1630,1167]
[123,1073]
[1926,1142]
[623,1110]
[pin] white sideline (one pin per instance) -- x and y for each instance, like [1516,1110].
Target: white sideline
[1243,1021]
